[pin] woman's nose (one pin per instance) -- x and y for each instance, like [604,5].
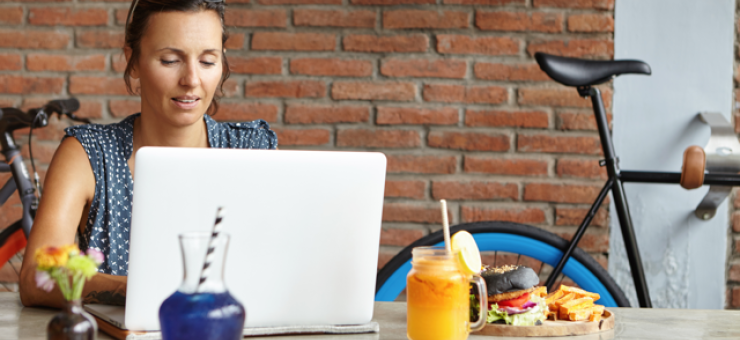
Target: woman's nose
[190,76]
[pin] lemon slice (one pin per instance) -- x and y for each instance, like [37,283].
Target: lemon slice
[470,260]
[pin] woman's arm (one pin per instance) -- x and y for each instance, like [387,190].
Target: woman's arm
[68,190]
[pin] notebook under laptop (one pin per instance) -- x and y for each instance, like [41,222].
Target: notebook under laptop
[304,226]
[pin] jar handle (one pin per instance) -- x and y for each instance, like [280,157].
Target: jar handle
[483,310]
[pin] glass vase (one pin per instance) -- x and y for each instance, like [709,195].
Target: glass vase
[73,323]
[202,311]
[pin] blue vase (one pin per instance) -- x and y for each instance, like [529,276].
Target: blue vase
[202,311]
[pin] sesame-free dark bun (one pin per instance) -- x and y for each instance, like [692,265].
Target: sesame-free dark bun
[509,279]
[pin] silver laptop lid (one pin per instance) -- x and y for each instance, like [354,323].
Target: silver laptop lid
[304,226]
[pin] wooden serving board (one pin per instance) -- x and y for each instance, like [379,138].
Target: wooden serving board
[552,328]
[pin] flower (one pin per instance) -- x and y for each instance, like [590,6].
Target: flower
[83,264]
[44,280]
[96,255]
[50,257]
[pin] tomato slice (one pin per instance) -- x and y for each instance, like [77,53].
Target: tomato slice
[516,302]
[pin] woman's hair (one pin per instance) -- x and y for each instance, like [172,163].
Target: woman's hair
[137,25]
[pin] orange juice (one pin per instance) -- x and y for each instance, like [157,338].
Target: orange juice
[438,297]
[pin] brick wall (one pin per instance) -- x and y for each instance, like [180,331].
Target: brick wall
[447,89]
[733,272]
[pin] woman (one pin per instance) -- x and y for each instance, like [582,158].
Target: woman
[174,48]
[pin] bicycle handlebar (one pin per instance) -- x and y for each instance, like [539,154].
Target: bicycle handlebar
[12,119]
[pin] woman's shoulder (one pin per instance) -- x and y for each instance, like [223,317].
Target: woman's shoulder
[253,135]
[96,131]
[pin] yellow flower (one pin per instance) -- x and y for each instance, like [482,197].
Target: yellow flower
[54,257]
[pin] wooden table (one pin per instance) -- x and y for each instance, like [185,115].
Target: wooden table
[17,322]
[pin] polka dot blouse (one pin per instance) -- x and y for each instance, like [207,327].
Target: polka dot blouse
[109,147]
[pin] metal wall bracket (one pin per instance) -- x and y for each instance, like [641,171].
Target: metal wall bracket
[723,155]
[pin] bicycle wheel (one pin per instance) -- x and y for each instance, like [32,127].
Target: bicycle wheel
[12,243]
[511,238]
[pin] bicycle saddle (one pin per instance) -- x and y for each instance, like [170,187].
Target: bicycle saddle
[582,72]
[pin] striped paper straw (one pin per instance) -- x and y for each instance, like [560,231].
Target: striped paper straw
[220,212]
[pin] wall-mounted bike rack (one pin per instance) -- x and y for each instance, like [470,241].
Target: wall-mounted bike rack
[723,156]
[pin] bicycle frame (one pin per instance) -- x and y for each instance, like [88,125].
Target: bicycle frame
[616,178]
[20,181]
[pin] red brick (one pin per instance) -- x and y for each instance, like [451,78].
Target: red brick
[590,23]
[398,91]
[121,14]
[580,168]
[500,118]
[285,89]
[469,141]
[118,62]
[314,114]
[395,212]
[505,166]
[50,62]
[392,2]
[235,41]
[509,72]
[11,15]
[380,44]
[9,213]
[573,48]
[256,65]
[17,38]
[302,137]
[529,215]
[415,18]
[591,242]
[245,111]
[424,68]
[384,257]
[737,246]
[463,44]
[574,216]
[283,41]
[519,21]
[405,189]
[585,4]
[256,17]
[465,94]
[419,116]
[484,2]
[474,190]
[97,85]
[559,144]
[42,152]
[10,62]
[332,67]
[13,84]
[100,39]
[561,193]
[378,138]
[334,18]
[736,203]
[123,108]
[230,88]
[735,296]
[51,16]
[299,2]
[54,131]
[399,237]
[422,164]
[572,120]
[559,97]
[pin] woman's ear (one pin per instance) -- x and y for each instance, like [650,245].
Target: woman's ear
[128,53]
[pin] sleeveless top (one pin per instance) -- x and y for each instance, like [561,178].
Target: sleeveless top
[108,148]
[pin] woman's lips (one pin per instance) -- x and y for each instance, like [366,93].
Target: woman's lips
[184,105]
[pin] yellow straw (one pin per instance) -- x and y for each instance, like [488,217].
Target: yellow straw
[445,226]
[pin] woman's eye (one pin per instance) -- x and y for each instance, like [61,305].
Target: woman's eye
[168,62]
[207,63]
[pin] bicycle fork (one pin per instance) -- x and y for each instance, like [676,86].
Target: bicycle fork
[620,201]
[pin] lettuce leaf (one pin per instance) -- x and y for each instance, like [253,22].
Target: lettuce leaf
[528,318]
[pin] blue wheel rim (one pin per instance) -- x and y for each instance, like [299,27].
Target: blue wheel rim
[517,244]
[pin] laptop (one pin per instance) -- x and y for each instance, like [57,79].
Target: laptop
[304,229]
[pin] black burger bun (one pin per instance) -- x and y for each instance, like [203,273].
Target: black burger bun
[509,279]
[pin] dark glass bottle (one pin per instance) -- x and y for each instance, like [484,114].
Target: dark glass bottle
[206,311]
[73,323]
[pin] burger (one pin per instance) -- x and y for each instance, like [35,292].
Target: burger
[513,298]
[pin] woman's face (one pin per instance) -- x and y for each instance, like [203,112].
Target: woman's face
[179,66]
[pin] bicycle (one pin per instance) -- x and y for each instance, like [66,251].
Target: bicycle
[548,249]
[13,238]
